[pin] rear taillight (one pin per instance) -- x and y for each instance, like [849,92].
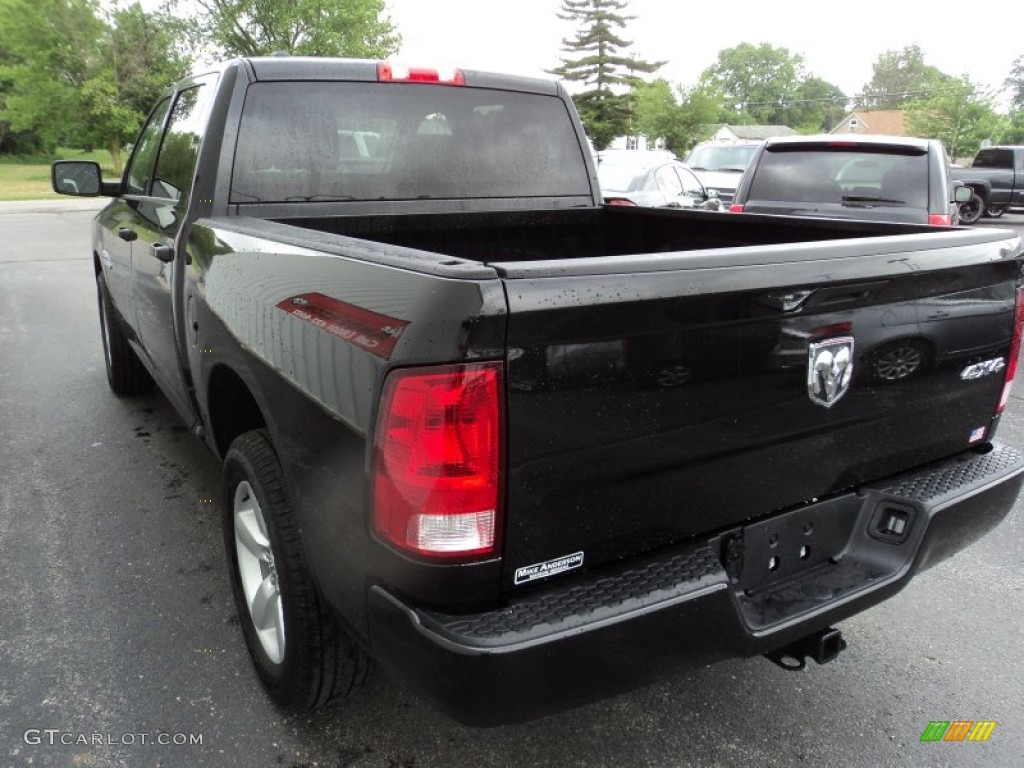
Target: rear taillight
[388,72]
[736,208]
[1011,364]
[438,459]
[940,219]
[619,201]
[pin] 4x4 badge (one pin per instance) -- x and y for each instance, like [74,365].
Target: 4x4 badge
[829,370]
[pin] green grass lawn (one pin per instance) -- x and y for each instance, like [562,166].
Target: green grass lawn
[31,181]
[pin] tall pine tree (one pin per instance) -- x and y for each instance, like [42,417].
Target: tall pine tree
[597,59]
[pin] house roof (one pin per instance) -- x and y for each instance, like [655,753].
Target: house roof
[887,122]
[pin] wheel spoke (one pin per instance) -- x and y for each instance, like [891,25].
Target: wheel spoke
[248,533]
[266,605]
[257,572]
[279,626]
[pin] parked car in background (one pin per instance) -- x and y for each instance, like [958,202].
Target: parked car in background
[719,164]
[884,178]
[651,178]
[997,179]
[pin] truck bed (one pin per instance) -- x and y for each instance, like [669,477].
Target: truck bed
[657,362]
[510,236]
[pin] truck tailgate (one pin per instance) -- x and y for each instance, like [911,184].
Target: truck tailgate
[656,398]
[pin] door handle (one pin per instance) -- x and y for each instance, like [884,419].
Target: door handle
[128,235]
[163,252]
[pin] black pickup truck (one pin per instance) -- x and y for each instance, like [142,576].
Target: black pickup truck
[521,449]
[997,178]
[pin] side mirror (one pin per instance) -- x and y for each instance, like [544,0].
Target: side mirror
[76,177]
[963,194]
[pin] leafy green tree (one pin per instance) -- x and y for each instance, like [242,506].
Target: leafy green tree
[70,76]
[959,115]
[677,116]
[597,59]
[901,77]
[657,113]
[817,106]
[47,48]
[140,54]
[1011,128]
[355,28]
[1015,83]
[1013,132]
[756,82]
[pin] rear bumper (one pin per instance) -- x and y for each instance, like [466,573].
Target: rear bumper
[605,632]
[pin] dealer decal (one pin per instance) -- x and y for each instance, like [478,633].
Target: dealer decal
[375,333]
[550,568]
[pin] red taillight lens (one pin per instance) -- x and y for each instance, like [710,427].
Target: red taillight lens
[388,72]
[619,201]
[736,208]
[940,220]
[437,460]
[1011,364]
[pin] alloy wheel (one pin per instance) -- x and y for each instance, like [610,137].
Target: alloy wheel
[258,571]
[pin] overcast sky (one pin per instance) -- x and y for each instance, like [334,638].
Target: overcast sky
[838,40]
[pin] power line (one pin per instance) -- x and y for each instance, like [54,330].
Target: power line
[859,97]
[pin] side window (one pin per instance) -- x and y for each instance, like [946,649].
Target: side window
[691,186]
[669,182]
[176,164]
[140,167]
[994,158]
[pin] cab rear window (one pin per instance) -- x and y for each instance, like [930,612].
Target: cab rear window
[324,141]
[846,175]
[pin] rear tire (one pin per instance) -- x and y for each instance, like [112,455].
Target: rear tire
[971,211]
[302,656]
[994,213]
[125,372]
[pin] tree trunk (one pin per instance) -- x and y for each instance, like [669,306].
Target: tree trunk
[115,156]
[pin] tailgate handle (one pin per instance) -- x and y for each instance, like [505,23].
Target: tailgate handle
[842,298]
[847,293]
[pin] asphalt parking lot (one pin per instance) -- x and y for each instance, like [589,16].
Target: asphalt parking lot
[117,625]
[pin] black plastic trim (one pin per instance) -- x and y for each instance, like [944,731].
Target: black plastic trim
[601,633]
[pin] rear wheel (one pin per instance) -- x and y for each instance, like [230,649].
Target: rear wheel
[125,372]
[994,213]
[971,211]
[303,658]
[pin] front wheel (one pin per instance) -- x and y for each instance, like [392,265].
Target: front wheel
[125,372]
[971,211]
[303,658]
[994,213]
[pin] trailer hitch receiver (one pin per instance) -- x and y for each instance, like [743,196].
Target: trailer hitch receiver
[823,647]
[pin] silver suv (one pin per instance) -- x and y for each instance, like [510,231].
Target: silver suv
[719,164]
[885,178]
